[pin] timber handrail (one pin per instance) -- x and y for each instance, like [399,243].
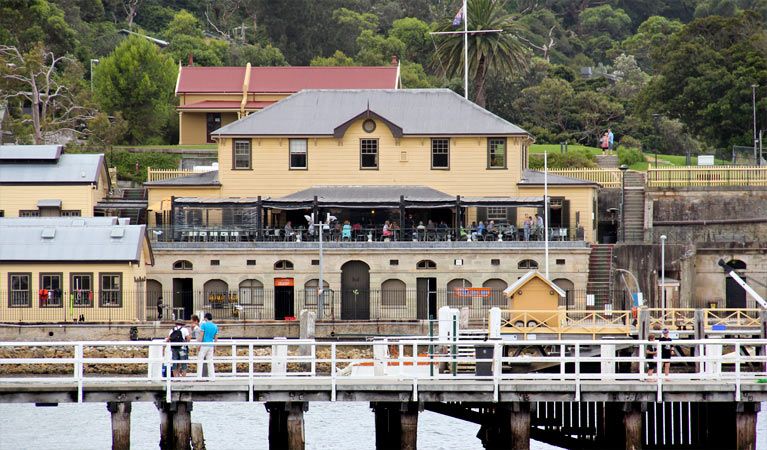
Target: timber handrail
[167,174]
[609,178]
[702,176]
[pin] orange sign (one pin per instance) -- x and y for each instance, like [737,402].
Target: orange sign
[283,282]
[472,292]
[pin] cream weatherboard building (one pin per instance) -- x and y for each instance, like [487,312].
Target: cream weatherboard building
[212,97]
[367,157]
[40,181]
[64,269]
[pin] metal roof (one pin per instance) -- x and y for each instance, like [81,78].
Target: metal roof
[227,105]
[209,178]
[49,203]
[70,168]
[285,79]
[509,291]
[69,239]
[535,178]
[29,152]
[407,111]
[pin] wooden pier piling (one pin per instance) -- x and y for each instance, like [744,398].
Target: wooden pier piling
[286,425]
[120,424]
[632,423]
[745,425]
[396,425]
[175,425]
[519,422]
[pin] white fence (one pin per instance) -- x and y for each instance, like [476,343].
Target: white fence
[710,362]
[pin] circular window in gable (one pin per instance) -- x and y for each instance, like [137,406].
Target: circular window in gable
[369,125]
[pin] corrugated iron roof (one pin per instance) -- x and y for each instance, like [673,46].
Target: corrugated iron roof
[285,79]
[69,239]
[220,104]
[362,194]
[70,168]
[29,152]
[535,177]
[414,111]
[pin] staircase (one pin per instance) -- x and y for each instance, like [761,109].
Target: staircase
[600,274]
[608,161]
[634,203]
[468,351]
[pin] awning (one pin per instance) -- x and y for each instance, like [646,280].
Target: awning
[49,203]
[162,205]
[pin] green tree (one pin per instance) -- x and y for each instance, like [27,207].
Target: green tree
[548,104]
[630,79]
[595,112]
[600,27]
[499,52]
[377,50]
[351,24]
[414,33]
[257,55]
[652,35]
[705,78]
[413,76]
[24,23]
[186,37]
[337,60]
[138,80]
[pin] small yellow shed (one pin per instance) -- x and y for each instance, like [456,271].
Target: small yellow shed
[533,296]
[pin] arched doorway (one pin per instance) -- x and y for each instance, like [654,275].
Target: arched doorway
[355,291]
[454,300]
[153,293]
[569,288]
[734,293]
[215,295]
[496,297]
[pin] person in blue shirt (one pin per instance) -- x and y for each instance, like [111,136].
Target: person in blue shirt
[610,141]
[208,333]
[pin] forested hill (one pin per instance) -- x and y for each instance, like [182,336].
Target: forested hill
[672,75]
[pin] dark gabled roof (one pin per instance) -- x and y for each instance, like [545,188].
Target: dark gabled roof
[198,179]
[68,168]
[78,239]
[424,112]
[535,178]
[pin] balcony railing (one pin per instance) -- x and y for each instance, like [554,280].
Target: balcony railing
[167,174]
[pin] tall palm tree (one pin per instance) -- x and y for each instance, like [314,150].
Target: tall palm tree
[499,52]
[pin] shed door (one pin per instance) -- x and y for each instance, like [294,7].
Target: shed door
[355,291]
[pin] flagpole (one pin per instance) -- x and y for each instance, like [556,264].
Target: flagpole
[546,208]
[465,51]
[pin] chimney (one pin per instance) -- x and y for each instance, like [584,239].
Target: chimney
[393,60]
[191,60]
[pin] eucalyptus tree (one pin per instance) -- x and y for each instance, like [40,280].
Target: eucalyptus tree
[500,52]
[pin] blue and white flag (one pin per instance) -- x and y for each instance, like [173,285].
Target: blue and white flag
[458,18]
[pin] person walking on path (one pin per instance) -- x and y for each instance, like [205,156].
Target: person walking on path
[605,142]
[159,308]
[208,333]
[666,352]
[179,334]
[651,352]
[610,141]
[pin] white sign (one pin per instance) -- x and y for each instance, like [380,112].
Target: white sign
[589,299]
[705,160]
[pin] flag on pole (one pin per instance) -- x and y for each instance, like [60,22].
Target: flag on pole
[458,18]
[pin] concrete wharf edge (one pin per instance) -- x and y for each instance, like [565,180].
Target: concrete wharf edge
[391,390]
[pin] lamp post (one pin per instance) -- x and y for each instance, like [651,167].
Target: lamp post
[663,276]
[655,118]
[93,61]
[753,107]
[623,169]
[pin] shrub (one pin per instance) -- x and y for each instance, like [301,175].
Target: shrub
[629,156]
[574,159]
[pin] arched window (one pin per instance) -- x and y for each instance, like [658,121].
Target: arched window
[252,293]
[426,264]
[283,264]
[310,293]
[454,295]
[527,264]
[216,293]
[182,265]
[496,298]
[393,293]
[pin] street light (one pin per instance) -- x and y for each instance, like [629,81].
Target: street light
[623,169]
[663,276]
[753,107]
[93,61]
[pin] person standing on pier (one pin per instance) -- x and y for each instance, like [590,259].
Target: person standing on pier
[208,333]
[179,334]
[666,351]
[651,352]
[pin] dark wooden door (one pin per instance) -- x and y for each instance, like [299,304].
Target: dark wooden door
[183,296]
[426,298]
[355,291]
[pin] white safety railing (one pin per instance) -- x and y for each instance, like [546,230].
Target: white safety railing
[717,362]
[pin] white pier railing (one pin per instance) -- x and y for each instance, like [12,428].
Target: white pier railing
[727,363]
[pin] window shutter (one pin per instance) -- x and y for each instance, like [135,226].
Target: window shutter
[481,215]
[565,213]
[511,216]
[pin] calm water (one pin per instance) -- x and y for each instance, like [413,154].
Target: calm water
[230,426]
[227,426]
